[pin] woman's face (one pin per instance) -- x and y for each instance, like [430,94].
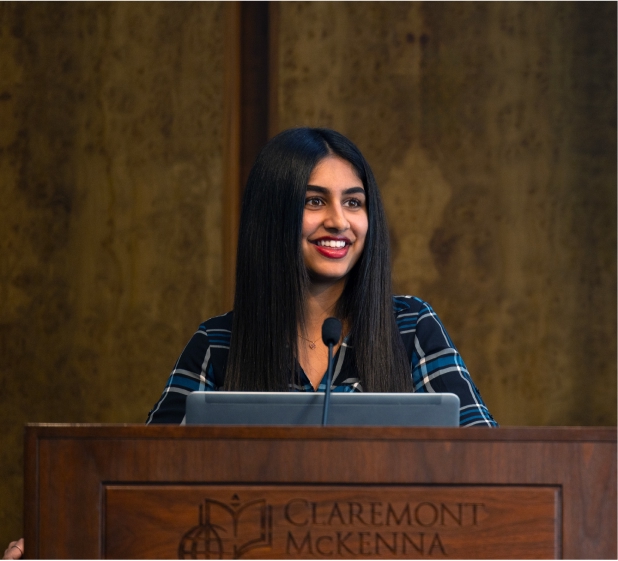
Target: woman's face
[334,221]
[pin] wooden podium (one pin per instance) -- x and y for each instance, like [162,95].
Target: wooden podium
[112,491]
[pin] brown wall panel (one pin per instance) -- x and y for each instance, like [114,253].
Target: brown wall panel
[491,128]
[111,172]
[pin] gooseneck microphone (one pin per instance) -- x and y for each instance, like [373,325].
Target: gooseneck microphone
[331,333]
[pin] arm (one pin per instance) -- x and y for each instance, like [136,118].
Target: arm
[436,364]
[190,373]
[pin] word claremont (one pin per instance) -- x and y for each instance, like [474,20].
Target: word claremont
[300,512]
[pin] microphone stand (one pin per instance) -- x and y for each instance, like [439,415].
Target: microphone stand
[329,378]
[331,333]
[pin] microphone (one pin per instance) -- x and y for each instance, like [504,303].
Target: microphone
[331,333]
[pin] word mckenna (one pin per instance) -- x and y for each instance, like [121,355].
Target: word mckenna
[353,544]
[300,512]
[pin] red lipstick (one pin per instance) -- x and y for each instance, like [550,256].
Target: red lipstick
[332,252]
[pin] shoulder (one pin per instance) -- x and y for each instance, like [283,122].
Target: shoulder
[406,307]
[214,333]
[205,355]
[416,318]
[408,304]
[218,326]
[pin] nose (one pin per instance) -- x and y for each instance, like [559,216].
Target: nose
[336,219]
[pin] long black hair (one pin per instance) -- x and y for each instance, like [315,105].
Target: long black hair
[272,280]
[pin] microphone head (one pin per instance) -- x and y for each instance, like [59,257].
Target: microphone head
[331,331]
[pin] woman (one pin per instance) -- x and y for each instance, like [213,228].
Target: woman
[313,243]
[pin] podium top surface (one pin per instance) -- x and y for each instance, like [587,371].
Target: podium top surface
[485,434]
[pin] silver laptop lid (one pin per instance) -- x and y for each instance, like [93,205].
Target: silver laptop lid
[305,408]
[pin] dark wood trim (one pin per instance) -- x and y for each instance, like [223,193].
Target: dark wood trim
[273,69]
[255,71]
[248,109]
[231,150]
[31,494]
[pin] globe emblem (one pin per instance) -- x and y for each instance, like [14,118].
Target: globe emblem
[201,542]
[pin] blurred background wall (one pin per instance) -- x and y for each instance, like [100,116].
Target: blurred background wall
[491,128]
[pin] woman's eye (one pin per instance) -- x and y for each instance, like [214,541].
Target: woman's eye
[354,203]
[313,201]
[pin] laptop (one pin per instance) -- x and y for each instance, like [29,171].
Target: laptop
[305,408]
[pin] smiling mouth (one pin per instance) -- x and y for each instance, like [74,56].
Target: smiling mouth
[336,244]
[332,249]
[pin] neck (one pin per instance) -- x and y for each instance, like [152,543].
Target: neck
[320,304]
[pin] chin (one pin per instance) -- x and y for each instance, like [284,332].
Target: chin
[328,277]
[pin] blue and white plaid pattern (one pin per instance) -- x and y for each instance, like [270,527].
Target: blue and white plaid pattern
[435,364]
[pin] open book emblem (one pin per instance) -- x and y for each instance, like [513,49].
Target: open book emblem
[227,531]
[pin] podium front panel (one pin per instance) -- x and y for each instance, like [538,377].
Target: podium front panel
[308,521]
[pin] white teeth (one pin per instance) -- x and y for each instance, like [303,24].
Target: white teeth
[332,243]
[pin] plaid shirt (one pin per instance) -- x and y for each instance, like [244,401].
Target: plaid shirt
[435,364]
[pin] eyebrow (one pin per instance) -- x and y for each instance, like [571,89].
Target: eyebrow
[325,191]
